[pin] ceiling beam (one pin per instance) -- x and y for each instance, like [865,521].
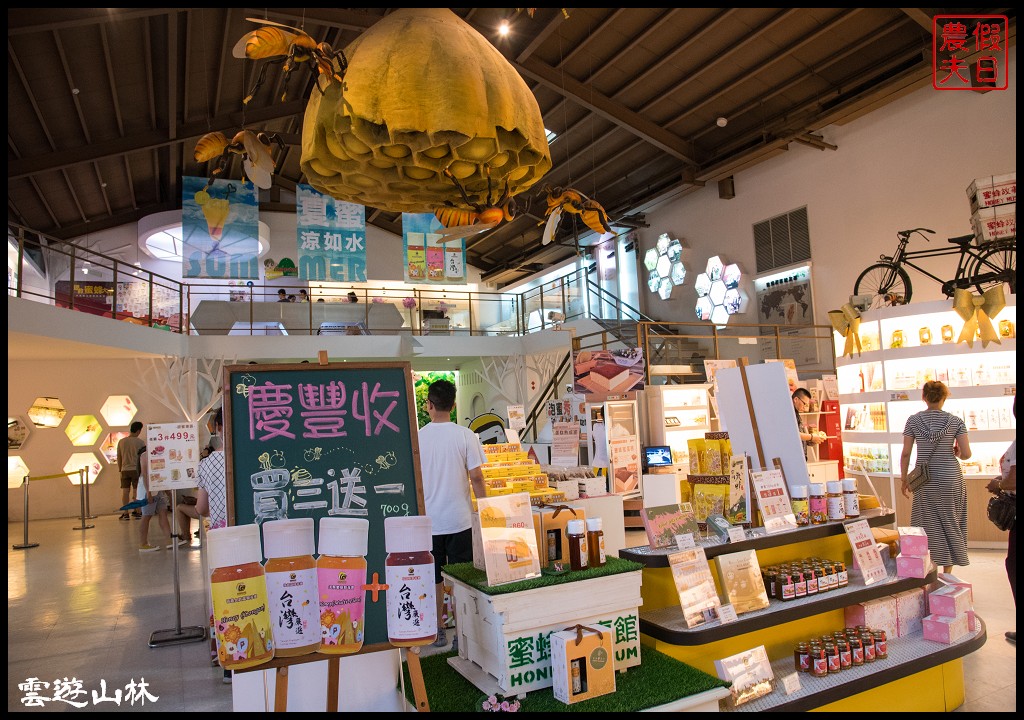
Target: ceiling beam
[919,16]
[149,140]
[25,21]
[607,108]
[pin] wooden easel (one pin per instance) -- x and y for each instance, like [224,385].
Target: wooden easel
[741,363]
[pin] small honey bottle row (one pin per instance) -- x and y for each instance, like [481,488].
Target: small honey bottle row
[800,578]
[843,649]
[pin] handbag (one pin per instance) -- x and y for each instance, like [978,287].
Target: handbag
[919,477]
[1002,510]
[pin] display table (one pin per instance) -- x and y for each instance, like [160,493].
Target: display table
[218,317]
[503,630]
[919,674]
[658,684]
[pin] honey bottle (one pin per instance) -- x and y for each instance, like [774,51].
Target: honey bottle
[818,504]
[409,569]
[341,575]
[595,543]
[577,537]
[292,585]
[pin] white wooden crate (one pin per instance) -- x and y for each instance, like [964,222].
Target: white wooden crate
[992,190]
[994,223]
[506,637]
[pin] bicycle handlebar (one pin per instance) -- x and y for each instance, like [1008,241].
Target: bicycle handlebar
[907,233]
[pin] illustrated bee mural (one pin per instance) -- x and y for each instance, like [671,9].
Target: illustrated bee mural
[257,162]
[570,200]
[459,222]
[291,46]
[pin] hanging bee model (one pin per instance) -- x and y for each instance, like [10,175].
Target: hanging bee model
[257,162]
[291,46]
[572,201]
[459,222]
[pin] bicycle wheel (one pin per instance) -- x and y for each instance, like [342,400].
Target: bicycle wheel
[997,263]
[886,283]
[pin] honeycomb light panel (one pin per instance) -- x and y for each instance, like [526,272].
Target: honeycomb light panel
[651,259]
[664,266]
[654,281]
[702,285]
[678,273]
[731,275]
[47,412]
[667,286]
[83,430]
[719,315]
[715,268]
[16,471]
[118,411]
[663,243]
[704,308]
[79,460]
[108,448]
[17,433]
[674,251]
[717,292]
[733,301]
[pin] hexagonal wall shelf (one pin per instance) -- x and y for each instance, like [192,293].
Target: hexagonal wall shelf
[16,471]
[47,412]
[17,433]
[83,430]
[666,269]
[108,448]
[80,460]
[118,411]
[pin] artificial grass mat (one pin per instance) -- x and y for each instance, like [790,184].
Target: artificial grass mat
[466,573]
[657,680]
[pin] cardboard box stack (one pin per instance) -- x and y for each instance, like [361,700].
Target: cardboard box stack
[993,207]
[950,604]
[879,613]
[914,560]
[911,607]
[510,470]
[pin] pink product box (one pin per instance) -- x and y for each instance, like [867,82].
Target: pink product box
[913,541]
[943,629]
[912,566]
[877,614]
[972,623]
[949,601]
[948,579]
[911,607]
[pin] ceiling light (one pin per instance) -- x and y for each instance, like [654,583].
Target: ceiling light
[722,122]
[504,28]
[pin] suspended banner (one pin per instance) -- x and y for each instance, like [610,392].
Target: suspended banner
[331,236]
[427,259]
[220,229]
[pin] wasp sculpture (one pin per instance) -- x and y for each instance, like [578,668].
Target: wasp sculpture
[459,222]
[570,200]
[257,162]
[291,46]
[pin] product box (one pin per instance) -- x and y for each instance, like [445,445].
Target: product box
[593,487]
[695,586]
[911,566]
[663,522]
[949,601]
[581,663]
[992,190]
[571,488]
[879,614]
[994,223]
[911,607]
[741,581]
[913,541]
[551,523]
[944,629]
[949,579]
[750,673]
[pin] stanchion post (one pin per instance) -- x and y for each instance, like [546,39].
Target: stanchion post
[26,544]
[82,476]
[88,511]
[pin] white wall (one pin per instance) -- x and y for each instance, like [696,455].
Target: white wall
[904,166]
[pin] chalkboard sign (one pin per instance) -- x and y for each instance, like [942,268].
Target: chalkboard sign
[333,440]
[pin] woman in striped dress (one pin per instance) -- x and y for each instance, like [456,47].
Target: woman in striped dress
[940,506]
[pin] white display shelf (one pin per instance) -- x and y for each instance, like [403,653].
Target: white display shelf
[969,392]
[879,437]
[953,350]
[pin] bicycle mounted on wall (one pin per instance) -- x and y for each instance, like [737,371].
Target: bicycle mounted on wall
[888,283]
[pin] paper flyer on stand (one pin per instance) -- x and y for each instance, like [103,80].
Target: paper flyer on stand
[173,456]
[773,501]
[508,538]
[865,550]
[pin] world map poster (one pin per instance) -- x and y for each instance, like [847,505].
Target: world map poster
[785,299]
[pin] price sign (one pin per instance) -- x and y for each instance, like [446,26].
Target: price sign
[865,551]
[773,499]
[727,614]
[791,683]
[685,541]
[737,534]
[172,455]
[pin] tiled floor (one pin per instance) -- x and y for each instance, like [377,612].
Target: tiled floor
[82,606]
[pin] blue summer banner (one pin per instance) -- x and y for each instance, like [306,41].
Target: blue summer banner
[427,259]
[331,236]
[220,229]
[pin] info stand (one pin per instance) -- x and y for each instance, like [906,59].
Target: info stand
[177,635]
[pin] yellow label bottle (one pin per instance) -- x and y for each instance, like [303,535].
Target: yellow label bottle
[241,618]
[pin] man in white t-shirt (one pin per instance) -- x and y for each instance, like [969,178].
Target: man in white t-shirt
[448,452]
